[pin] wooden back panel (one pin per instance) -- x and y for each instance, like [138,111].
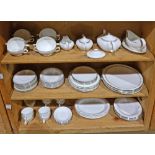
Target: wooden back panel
[76,28]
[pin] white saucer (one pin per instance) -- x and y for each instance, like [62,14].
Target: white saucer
[95,54]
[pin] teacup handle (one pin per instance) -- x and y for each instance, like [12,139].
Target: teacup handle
[58,37]
[31,40]
[57,48]
[34,48]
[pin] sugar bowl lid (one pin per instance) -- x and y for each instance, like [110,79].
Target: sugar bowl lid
[84,39]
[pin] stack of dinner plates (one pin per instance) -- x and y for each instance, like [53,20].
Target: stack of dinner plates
[84,79]
[25,80]
[92,108]
[52,78]
[128,108]
[122,79]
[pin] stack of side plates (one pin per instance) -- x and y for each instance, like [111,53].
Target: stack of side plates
[92,108]
[128,108]
[52,78]
[25,80]
[62,115]
[122,79]
[84,79]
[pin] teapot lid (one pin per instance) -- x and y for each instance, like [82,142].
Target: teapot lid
[109,38]
[84,39]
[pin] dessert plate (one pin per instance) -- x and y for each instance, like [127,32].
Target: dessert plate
[95,54]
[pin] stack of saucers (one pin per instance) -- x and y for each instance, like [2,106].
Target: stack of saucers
[128,108]
[62,115]
[92,108]
[25,80]
[122,79]
[84,79]
[52,78]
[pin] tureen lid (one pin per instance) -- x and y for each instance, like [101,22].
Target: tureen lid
[84,39]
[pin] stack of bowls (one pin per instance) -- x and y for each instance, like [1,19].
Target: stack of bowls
[52,78]
[122,79]
[84,79]
[25,80]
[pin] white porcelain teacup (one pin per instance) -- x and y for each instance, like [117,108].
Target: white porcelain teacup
[17,46]
[27,115]
[44,113]
[46,46]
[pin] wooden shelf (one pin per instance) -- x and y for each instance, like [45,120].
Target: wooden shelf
[75,56]
[78,124]
[67,92]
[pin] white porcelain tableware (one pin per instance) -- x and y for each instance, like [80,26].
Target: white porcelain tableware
[95,54]
[30,103]
[25,80]
[27,115]
[17,46]
[62,115]
[108,42]
[52,77]
[60,101]
[46,46]
[128,108]
[92,108]
[122,78]
[49,32]
[66,43]
[84,79]
[44,113]
[25,34]
[134,43]
[84,43]
[47,101]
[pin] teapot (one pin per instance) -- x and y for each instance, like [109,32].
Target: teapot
[84,43]
[66,43]
[108,42]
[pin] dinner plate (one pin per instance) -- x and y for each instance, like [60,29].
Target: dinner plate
[142,51]
[95,54]
[84,74]
[128,108]
[122,77]
[92,108]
